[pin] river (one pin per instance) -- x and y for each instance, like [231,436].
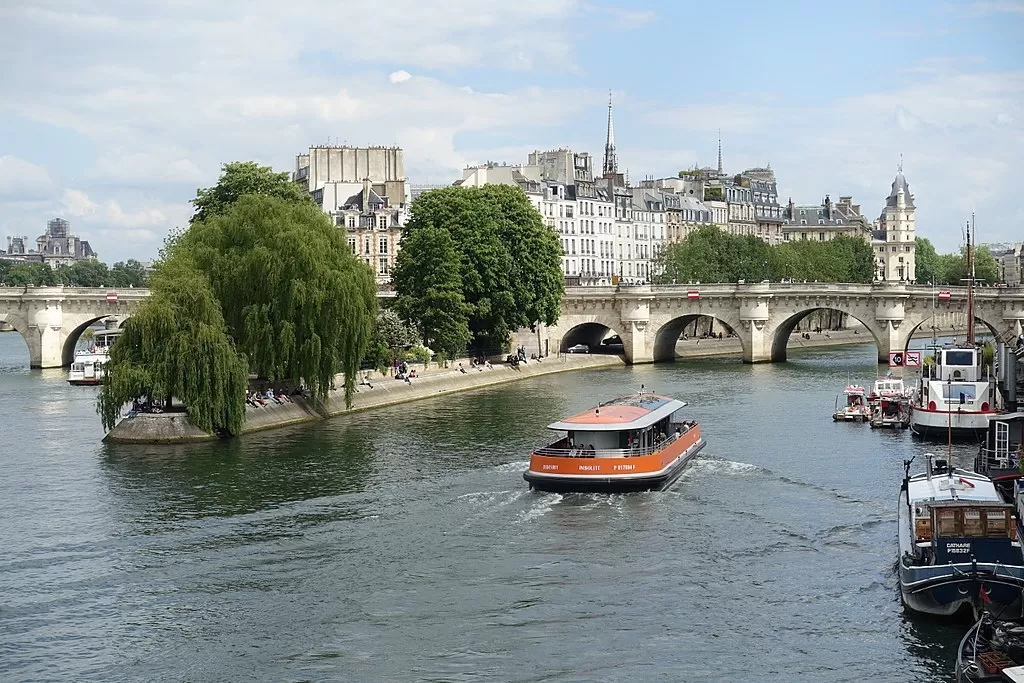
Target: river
[403,545]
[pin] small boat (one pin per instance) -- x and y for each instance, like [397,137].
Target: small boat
[87,368]
[991,651]
[856,408]
[953,400]
[958,547]
[892,412]
[638,442]
[887,387]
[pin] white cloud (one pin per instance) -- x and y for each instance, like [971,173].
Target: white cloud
[400,76]
[23,180]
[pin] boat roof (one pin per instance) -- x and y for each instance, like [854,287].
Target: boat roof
[854,389]
[949,486]
[635,411]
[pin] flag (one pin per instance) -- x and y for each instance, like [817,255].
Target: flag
[693,294]
[944,295]
[983,594]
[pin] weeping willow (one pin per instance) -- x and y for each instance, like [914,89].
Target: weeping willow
[176,346]
[295,300]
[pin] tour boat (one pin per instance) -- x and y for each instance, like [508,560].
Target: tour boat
[992,651]
[87,368]
[856,408]
[633,443]
[958,547]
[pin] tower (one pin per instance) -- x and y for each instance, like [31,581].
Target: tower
[898,230]
[719,151]
[611,164]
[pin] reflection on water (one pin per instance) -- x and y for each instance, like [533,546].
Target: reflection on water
[403,544]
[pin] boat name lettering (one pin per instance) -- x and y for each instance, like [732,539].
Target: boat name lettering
[624,467]
[590,468]
[958,548]
[550,467]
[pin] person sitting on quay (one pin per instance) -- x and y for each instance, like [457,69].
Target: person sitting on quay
[462,369]
[412,374]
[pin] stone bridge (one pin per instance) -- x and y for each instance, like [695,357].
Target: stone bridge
[650,319]
[51,319]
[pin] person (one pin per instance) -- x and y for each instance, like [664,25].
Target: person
[677,431]
[412,373]
[590,450]
[462,369]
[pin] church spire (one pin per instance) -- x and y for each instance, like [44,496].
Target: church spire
[719,151]
[611,164]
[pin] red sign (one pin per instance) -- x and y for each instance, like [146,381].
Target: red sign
[944,295]
[693,294]
[912,359]
[112,297]
[896,359]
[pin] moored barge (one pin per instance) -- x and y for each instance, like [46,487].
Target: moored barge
[638,442]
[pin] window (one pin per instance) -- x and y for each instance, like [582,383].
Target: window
[366,246]
[382,265]
[339,221]
[894,250]
[821,237]
[383,246]
[352,224]
[352,244]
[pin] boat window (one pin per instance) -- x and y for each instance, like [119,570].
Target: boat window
[958,392]
[959,357]
[945,523]
[923,528]
[996,522]
[972,523]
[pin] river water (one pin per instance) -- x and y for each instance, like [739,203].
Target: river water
[403,544]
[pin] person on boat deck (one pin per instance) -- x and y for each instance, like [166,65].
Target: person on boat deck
[589,451]
[661,435]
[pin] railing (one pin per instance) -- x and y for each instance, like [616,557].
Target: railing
[560,449]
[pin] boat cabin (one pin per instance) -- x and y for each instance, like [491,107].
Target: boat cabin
[1003,449]
[626,427]
[889,386]
[958,364]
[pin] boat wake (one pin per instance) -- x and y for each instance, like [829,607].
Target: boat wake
[702,466]
[517,466]
[545,502]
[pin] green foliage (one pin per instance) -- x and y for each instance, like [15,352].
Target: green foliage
[295,300]
[240,178]
[20,274]
[926,262]
[713,194]
[391,336]
[128,273]
[711,255]
[87,273]
[427,277]
[176,345]
[507,261]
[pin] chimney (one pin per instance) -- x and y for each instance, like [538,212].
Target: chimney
[366,195]
[828,207]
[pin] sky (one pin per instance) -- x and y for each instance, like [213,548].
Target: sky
[113,112]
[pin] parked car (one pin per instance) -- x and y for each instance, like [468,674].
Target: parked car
[579,348]
[614,340]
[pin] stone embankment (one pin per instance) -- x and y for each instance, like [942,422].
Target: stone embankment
[373,390]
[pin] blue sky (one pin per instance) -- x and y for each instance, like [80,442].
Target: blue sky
[113,113]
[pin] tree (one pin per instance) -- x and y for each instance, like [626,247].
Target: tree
[391,334]
[295,300]
[39,274]
[128,274]
[240,178]
[508,261]
[87,273]
[926,262]
[176,346]
[426,275]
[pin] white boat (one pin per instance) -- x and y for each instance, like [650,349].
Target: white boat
[87,368]
[889,388]
[955,398]
[856,408]
[958,547]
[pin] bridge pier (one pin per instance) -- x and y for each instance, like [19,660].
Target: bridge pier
[758,341]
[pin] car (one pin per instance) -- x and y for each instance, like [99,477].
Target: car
[579,348]
[614,340]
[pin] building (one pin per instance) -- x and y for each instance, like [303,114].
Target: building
[894,240]
[1010,257]
[58,246]
[364,191]
[825,221]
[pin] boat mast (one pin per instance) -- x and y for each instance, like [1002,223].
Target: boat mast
[970,285]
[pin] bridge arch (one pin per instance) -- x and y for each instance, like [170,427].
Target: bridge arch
[666,337]
[590,332]
[784,330]
[75,333]
[995,327]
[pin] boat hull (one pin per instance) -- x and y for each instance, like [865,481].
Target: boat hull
[940,424]
[615,475]
[92,382]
